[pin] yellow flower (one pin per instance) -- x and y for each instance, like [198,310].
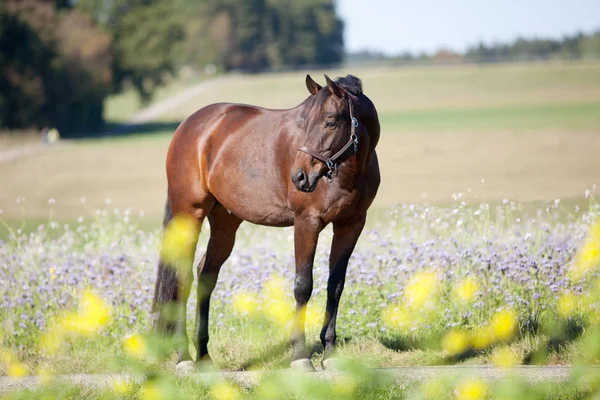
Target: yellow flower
[313,318]
[420,288]
[280,311]
[277,306]
[455,342]
[152,391]
[16,370]
[224,391]
[344,385]
[179,239]
[93,315]
[52,339]
[122,387]
[135,346]
[482,337]
[588,256]
[5,356]
[245,303]
[505,357]
[465,290]
[504,324]
[472,389]
[396,317]
[275,288]
[567,305]
[270,389]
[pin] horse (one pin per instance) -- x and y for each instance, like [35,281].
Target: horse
[307,166]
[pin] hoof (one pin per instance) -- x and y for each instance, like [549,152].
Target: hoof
[205,365]
[304,365]
[331,364]
[186,368]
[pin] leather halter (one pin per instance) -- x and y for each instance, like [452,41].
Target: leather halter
[343,154]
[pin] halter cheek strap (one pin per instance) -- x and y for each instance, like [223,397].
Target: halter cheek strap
[343,154]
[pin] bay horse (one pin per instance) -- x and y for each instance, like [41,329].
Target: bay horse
[307,166]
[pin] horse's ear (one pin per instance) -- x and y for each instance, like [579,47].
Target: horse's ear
[312,86]
[334,88]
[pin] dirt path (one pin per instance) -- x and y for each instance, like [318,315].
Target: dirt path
[400,374]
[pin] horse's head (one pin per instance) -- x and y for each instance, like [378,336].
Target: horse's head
[330,131]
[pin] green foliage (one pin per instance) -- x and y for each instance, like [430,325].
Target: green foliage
[55,68]
[255,35]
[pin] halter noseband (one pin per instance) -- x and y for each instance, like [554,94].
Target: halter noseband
[335,160]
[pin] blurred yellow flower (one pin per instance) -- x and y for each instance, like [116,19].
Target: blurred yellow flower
[151,391]
[122,386]
[16,370]
[51,339]
[313,318]
[276,305]
[482,337]
[179,238]
[455,342]
[274,288]
[93,315]
[396,317]
[567,305]
[504,324]
[135,346]
[471,389]
[420,288]
[270,389]
[279,311]
[224,391]
[344,385]
[5,356]
[245,303]
[505,357]
[588,256]
[465,290]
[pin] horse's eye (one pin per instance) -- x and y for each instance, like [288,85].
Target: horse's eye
[329,124]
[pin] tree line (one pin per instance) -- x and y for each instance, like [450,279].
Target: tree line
[570,47]
[59,59]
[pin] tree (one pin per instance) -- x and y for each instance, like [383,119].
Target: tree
[47,76]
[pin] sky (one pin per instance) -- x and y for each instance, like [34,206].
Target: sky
[395,26]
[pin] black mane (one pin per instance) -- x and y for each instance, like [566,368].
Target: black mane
[350,83]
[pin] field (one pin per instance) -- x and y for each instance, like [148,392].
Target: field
[531,131]
[482,247]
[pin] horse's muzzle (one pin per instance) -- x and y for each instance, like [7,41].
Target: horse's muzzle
[303,181]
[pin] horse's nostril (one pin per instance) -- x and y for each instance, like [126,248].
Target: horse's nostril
[300,177]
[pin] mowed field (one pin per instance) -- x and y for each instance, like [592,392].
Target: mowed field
[531,132]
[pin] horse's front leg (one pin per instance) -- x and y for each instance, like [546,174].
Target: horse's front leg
[345,237]
[306,235]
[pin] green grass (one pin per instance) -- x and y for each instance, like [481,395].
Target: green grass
[569,116]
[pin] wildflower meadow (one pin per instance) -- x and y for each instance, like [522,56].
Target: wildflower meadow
[469,283]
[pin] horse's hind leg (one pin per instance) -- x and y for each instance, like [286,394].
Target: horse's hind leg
[223,226]
[174,280]
[345,237]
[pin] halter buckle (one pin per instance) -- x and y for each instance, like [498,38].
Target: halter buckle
[354,122]
[354,139]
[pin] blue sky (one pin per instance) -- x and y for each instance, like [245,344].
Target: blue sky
[394,26]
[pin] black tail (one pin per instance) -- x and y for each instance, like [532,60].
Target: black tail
[165,289]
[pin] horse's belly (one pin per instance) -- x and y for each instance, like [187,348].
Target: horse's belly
[259,210]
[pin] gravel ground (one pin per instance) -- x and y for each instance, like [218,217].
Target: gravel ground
[401,374]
